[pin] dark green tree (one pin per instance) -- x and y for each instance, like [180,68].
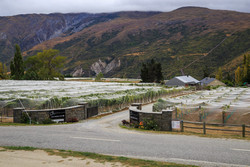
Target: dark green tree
[17,65]
[151,72]
[205,71]
[159,75]
[144,73]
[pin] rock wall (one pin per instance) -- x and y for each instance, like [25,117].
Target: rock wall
[79,112]
[163,119]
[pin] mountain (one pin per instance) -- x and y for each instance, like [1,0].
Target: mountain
[118,43]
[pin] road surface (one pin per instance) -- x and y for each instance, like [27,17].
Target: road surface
[106,137]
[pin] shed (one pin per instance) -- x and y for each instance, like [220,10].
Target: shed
[211,82]
[183,81]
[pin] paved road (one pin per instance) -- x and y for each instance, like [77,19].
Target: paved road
[106,137]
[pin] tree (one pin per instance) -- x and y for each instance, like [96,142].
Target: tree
[219,74]
[17,65]
[242,75]
[151,72]
[144,73]
[99,77]
[238,76]
[45,65]
[246,68]
[159,75]
[1,70]
[205,72]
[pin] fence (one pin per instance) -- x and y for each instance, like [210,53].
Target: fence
[205,128]
[6,114]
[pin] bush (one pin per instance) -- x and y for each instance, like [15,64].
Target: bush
[124,122]
[25,119]
[150,124]
[160,105]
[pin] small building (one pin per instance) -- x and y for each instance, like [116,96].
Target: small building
[183,81]
[211,82]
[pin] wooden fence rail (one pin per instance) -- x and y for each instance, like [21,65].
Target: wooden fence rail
[204,127]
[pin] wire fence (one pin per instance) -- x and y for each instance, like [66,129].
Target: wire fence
[6,114]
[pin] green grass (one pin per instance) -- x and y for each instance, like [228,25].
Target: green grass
[19,148]
[32,124]
[13,124]
[99,157]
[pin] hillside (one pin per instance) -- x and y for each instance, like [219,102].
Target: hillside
[117,43]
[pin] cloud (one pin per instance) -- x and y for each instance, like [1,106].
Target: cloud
[13,7]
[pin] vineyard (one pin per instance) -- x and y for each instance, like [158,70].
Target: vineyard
[55,94]
[221,105]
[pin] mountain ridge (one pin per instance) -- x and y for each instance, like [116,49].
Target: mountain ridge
[173,38]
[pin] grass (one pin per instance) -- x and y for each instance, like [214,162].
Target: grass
[32,124]
[99,157]
[195,133]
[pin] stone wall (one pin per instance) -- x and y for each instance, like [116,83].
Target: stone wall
[163,119]
[78,112]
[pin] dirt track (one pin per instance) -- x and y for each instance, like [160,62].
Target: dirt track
[39,158]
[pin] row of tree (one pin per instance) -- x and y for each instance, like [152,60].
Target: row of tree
[44,65]
[242,73]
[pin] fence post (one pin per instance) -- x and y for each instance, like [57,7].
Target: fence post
[223,117]
[182,126]
[243,130]
[200,116]
[176,113]
[204,128]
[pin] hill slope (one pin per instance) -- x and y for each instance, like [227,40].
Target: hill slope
[116,44]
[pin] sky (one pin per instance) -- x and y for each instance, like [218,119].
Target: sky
[14,7]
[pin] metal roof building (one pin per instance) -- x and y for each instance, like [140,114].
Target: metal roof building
[211,82]
[183,81]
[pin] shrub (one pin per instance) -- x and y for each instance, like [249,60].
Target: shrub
[124,122]
[160,105]
[25,119]
[150,124]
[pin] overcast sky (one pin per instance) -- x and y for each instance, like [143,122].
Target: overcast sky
[14,7]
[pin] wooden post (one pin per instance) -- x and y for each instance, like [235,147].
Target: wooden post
[223,117]
[182,126]
[176,113]
[243,130]
[200,116]
[204,128]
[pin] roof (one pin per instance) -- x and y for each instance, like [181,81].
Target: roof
[207,80]
[182,81]
[188,79]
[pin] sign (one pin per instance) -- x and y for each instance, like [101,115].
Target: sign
[57,114]
[134,116]
[176,124]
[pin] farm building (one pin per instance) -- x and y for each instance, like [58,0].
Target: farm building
[183,81]
[211,82]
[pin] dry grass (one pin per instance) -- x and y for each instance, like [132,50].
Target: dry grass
[6,119]
[217,133]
